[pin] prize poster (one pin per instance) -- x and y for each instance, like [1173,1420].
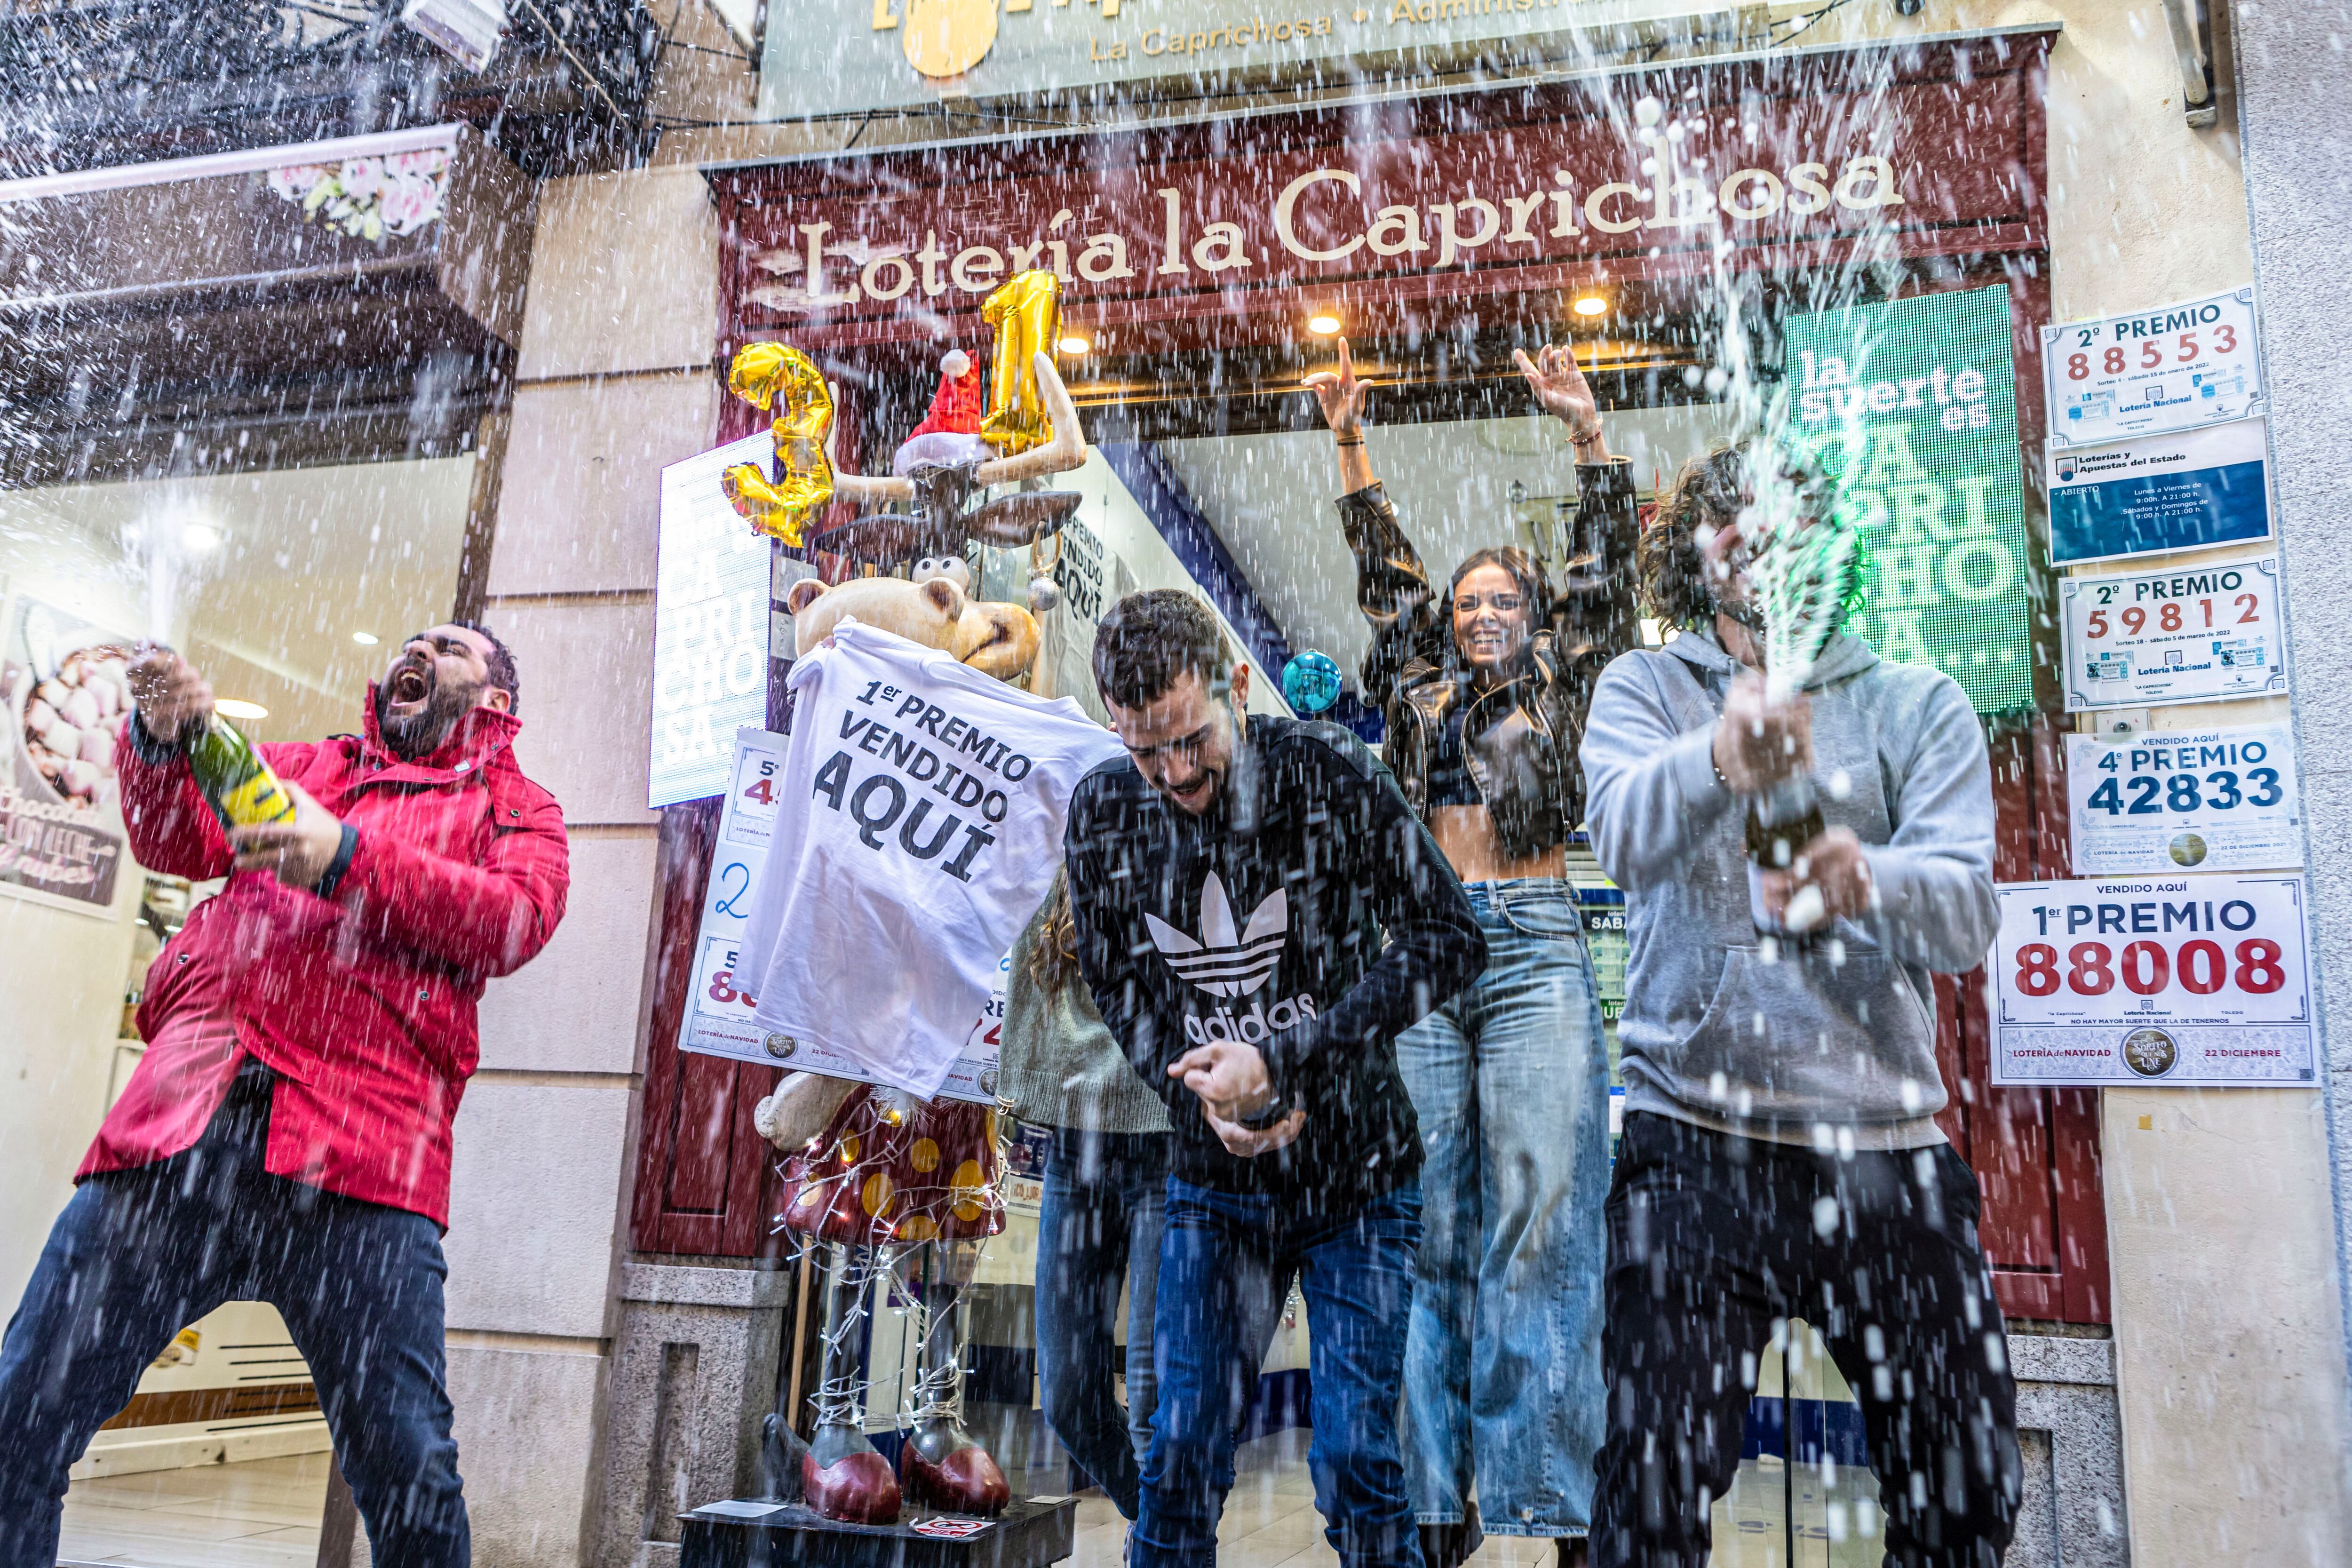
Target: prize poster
[2184,634]
[711,625]
[2162,802]
[2153,370]
[2196,980]
[719,1016]
[2192,490]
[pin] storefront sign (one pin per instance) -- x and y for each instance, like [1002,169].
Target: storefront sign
[2163,802]
[1531,188]
[851,55]
[710,625]
[1912,404]
[2188,634]
[2186,491]
[2153,371]
[58,854]
[719,1014]
[2190,981]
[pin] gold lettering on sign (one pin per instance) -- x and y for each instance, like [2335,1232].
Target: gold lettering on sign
[884,18]
[1285,206]
[1341,226]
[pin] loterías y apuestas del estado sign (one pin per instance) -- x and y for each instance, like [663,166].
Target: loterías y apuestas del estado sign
[1800,179]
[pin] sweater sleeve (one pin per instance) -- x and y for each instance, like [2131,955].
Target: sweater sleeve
[1933,878]
[1434,946]
[1651,796]
[1100,872]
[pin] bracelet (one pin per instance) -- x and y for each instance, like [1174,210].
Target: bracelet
[1345,441]
[1586,439]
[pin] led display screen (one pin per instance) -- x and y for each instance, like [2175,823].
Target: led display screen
[1912,406]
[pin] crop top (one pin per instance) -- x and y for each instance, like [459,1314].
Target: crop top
[1450,782]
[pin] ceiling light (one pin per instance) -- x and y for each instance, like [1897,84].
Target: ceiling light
[1074,344]
[233,708]
[1324,325]
[365,639]
[1592,305]
[199,535]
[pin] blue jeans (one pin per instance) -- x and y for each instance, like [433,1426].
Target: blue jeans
[1097,1229]
[1226,1263]
[137,1255]
[1503,1385]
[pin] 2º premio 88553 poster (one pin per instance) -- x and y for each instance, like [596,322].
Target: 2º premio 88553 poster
[2189,980]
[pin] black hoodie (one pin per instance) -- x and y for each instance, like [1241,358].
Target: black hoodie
[1260,921]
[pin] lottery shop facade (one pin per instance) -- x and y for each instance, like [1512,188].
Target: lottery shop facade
[1443,231]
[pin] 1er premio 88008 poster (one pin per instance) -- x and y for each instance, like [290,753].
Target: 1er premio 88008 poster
[2188,979]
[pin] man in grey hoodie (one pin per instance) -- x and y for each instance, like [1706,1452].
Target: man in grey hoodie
[1781,1157]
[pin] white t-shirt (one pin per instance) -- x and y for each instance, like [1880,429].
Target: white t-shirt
[921,828]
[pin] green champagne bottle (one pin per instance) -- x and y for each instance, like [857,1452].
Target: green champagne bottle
[238,783]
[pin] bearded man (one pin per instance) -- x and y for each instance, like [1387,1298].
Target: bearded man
[286,1138]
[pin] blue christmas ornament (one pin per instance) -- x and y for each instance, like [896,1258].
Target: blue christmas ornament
[1311,682]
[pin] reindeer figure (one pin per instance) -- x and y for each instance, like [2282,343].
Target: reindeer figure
[887,1184]
[935,519]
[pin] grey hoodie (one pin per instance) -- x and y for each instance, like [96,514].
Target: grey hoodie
[1836,1040]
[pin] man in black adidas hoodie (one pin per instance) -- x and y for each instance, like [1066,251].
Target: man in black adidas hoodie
[1232,880]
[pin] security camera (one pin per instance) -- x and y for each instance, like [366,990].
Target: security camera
[1909,7]
[467,30]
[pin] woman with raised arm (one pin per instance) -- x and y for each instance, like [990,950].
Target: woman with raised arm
[1485,685]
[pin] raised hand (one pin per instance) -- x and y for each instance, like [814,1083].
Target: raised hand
[171,695]
[297,852]
[1560,385]
[1761,739]
[1342,395]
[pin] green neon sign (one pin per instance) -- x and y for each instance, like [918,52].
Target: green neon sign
[1912,404]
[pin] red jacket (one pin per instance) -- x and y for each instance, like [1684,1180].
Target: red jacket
[362,1004]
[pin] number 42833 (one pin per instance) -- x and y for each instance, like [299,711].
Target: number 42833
[2181,792]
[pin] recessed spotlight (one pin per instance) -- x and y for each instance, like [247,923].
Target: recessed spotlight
[199,535]
[1592,305]
[1324,325]
[365,639]
[235,708]
[1074,344]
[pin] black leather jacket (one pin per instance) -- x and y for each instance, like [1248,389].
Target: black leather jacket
[1520,739]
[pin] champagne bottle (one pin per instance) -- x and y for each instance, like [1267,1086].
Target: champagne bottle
[238,783]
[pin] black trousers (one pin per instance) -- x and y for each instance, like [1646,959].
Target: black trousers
[1712,1240]
[137,1255]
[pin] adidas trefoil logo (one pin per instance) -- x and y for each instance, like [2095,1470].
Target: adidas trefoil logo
[1221,962]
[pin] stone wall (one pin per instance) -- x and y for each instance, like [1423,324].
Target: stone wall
[614,381]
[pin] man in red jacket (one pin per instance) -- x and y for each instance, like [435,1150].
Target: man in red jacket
[286,1138]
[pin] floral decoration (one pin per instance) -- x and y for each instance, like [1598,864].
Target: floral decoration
[368,199]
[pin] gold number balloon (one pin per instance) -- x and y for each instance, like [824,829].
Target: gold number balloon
[779,377]
[1026,314]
